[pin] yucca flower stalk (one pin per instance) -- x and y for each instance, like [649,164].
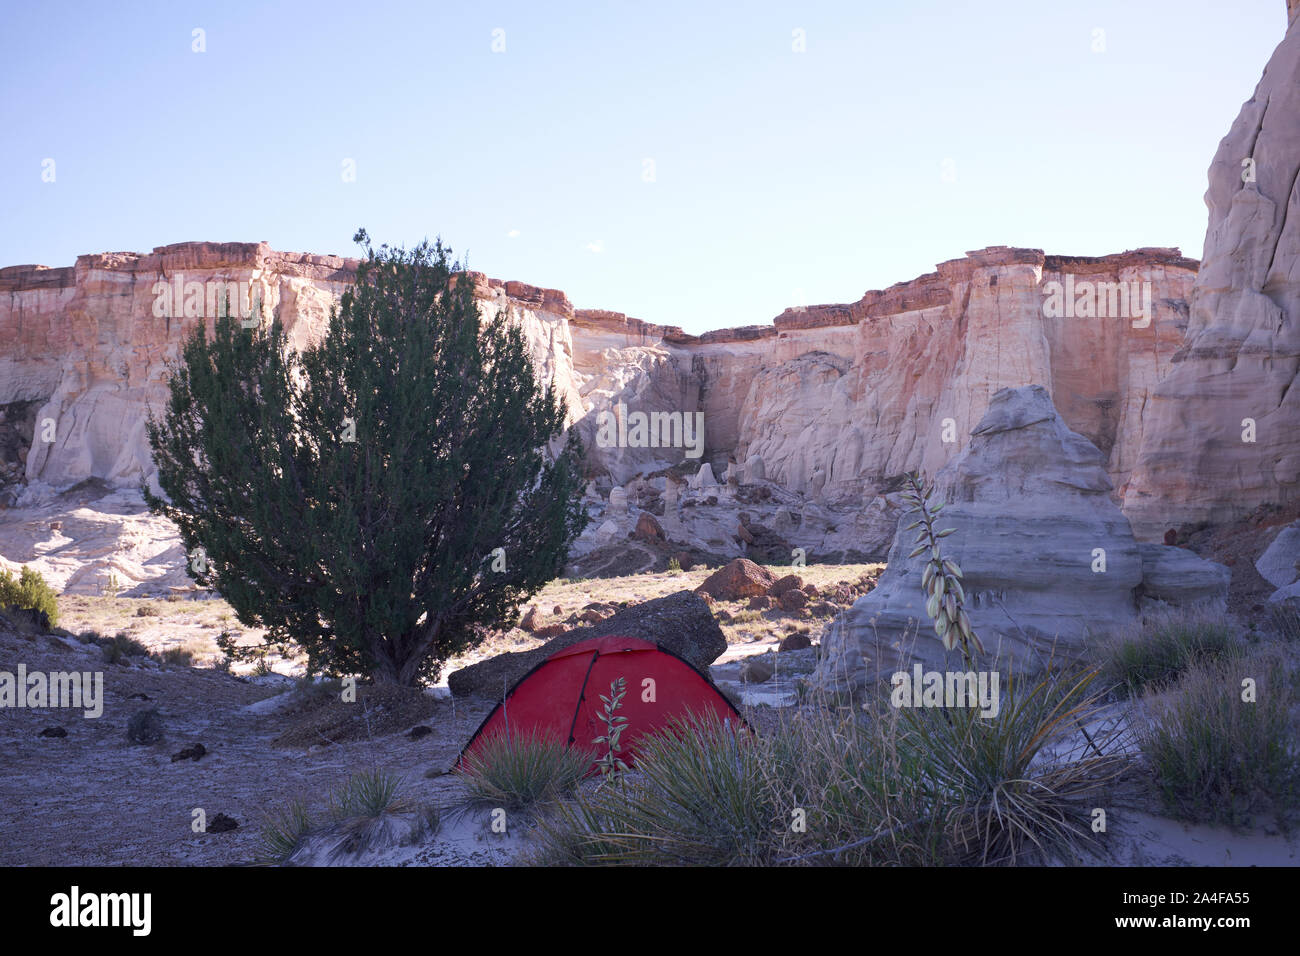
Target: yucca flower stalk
[941,578]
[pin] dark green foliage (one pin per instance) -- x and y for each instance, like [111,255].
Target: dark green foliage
[374,555]
[29,590]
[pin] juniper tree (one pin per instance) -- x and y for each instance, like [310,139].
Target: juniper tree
[351,497]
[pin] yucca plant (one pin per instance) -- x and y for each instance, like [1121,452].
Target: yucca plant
[941,577]
[697,799]
[1019,780]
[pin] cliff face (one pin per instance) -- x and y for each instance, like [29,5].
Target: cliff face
[837,400]
[1222,435]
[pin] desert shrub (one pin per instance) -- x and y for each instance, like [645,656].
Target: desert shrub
[744,617]
[1217,758]
[521,771]
[30,591]
[175,656]
[1165,647]
[146,610]
[121,646]
[674,566]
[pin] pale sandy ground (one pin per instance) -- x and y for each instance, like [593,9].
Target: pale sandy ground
[93,798]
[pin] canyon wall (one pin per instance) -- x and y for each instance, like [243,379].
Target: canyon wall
[1224,426]
[837,400]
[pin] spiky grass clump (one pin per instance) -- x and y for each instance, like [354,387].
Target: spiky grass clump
[521,770]
[368,813]
[1157,653]
[895,788]
[1218,758]
[697,798]
[283,832]
[368,794]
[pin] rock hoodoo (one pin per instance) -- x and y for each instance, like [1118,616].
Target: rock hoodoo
[1048,559]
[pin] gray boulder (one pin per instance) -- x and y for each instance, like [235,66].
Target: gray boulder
[681,623]
[1179,577]
[1277,565]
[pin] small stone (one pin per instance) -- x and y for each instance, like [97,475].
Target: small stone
[793,600]
[222,824]
[755,670]
[795,642]
[190,753]
[421,731]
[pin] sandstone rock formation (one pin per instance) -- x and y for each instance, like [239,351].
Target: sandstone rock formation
[1048,559]
[1222,436]
[858,393]
[680,622]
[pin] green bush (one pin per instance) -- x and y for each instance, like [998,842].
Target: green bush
[521,771]
[1166,647]
[29,590]
[1218,758]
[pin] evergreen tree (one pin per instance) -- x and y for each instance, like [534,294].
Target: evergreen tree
[351,498]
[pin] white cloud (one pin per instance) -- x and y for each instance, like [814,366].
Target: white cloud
[597,247]
[512,234]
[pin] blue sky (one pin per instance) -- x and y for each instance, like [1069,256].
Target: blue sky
[903,135]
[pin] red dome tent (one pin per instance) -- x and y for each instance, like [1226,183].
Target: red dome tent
[560,697]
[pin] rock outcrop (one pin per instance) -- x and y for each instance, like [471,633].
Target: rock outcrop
[681,623]
[1222,435]
[830,401]
[1048,559]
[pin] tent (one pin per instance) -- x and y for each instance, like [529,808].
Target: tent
[560,697]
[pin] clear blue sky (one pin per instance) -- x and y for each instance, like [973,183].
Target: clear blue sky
[780,177]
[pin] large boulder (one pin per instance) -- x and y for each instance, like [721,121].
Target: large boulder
[1029,500]
[681,623]
[1179,577]
[740,579]
[1279,565]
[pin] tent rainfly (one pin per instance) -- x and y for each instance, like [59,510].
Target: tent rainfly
[560,697]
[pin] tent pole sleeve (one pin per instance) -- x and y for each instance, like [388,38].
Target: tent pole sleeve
[582,695]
